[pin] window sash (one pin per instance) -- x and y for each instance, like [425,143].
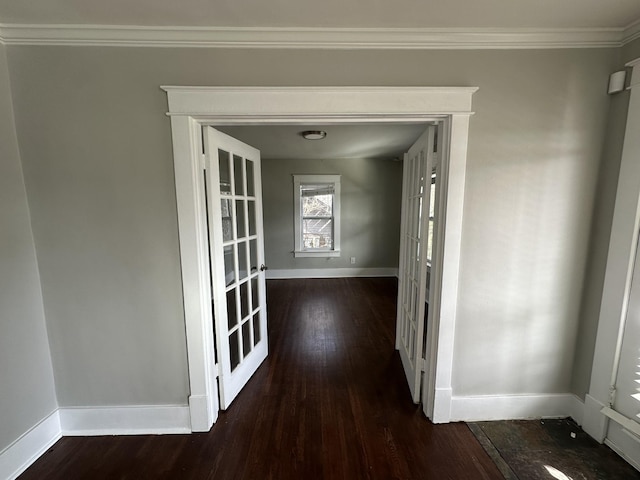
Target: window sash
[306,186]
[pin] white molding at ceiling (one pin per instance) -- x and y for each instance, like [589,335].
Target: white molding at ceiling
[631,32]
[325,38]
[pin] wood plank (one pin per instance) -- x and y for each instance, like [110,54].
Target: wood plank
[330,402]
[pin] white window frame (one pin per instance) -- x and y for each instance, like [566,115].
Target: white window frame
[299,248]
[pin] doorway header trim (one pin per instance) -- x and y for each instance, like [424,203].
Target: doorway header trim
[313,103]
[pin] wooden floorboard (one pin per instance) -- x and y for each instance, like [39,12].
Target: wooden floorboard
[330,402]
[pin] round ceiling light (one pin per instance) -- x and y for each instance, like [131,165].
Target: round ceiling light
[314,134]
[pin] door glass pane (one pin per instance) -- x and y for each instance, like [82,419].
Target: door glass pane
[246,338]
[254,293]
[256,328]
[253,255]
[242,261]
[225,172]
[242,231]
[251,207]
[244,299]
[229,265]
[250,185]
[227,224]
[232,314]
[234,350]
[237,171]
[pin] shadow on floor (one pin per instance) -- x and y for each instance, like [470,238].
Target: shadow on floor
[549,449]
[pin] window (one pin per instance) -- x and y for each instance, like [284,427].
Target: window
[432,214]
[317,215]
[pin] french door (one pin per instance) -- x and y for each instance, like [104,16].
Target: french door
[234,211]
[414,243]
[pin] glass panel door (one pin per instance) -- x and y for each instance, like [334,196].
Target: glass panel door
[237,258]
[414,240]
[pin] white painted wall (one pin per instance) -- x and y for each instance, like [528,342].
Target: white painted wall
[27,393]
[100,184]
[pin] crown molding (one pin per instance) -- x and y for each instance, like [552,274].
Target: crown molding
[321,38]
[631,32]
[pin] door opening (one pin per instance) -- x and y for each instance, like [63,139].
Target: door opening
[191,108]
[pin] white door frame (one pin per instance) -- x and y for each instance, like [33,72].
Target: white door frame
[192,107]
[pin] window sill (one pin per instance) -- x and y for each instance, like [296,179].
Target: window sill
[316,253]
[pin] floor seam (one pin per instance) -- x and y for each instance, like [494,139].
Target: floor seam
[492,451]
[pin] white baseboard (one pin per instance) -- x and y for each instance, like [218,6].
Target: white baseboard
[512,407]
[332,273]
[594,422]
[125,420]
[442,405]
[202,418]
[577,409]
[18,456]
[621,451]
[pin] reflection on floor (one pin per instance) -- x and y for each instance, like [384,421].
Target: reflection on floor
[549,449]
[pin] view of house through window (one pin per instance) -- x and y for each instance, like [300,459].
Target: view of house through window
[317,215]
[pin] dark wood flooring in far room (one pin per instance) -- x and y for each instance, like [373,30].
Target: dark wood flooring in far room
[330,402]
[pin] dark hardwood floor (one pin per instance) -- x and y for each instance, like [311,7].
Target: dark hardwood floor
[330,402]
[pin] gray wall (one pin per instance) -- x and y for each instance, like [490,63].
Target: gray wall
[98,165]
[370,212]
[27,393]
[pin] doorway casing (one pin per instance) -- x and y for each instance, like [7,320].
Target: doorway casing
[190,108]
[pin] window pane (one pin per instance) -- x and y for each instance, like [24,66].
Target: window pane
[430,240]
[234,350]
[225,172]
[317,233]
[241,227]
[252,217]
[256,328]
[253,255]
[317,206]
[229,265]
[242,261]
[227,224]
[237,171]
[246,338]
[250,181]
[232,315]
[244,299]
[254,293]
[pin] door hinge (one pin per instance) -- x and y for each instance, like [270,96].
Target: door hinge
[217,370]
[203,162]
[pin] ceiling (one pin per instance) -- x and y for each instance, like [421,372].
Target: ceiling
[285,142]
[510,14]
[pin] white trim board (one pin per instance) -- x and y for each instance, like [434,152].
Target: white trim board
[19,456]
[331,273]
[88,421]
[125,420]
[514,407]
[191,108]
[318,38]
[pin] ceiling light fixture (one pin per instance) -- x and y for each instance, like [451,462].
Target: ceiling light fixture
[314,134]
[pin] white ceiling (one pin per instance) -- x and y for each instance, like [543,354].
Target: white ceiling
[342,141]
[510,14]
